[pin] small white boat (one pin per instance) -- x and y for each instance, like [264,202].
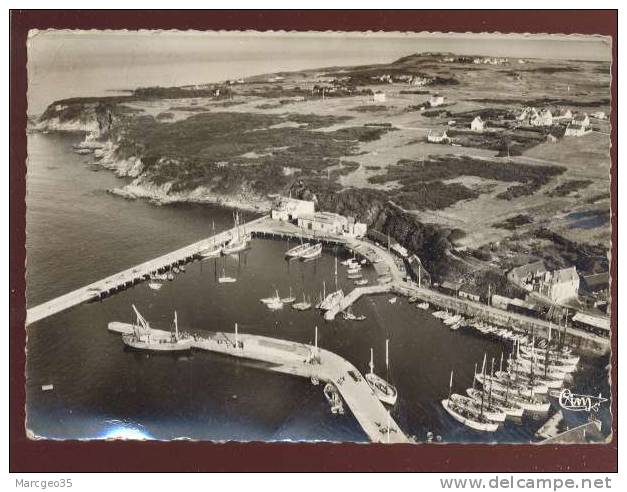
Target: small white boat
[175,270]
[159,276]
[354,276]
[393,300]
[456,326]
[302,306]
[296,251]
[383,390]
[330,300]
[440,314]
[313,252]
[350,316]
[289,299]
[352,270]
[170,276]
[361,281]
[349,262]
[423,305]
[211,252]
[333,397]
[143,338]
[469,419]
[224,279]
[47,387]
[181,268]
[154,285]
[451,320]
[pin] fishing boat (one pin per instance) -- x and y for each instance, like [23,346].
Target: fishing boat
[296,251]
[413,299]
[490,411]
[519,387]
[527,403]
[498,401]
[155,285]
[289,299]
[354,276]
[275,305]
[423,305]
[393,300]
[467,415]
[170,276]
[383,390]
[556,368]
[527,353]
[268,300]
[361,281]
[469,418]
[158,276]
[348,262]
[175,269]
[302,306]
[353,270]
[181,268]
[224,279]
[313,252]
[143,338]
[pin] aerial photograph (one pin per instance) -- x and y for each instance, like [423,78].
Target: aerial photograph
[318,236]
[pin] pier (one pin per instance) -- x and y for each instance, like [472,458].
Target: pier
[307,361]
[127,278]
[348,300]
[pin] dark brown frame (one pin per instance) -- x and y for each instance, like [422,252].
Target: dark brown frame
[73,456]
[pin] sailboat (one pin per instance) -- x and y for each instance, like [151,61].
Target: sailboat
[466,414]
[238,242]
[290,299]
[214,250]
[361,281]
[142,337]
[383,390]
[155,285]
[276,303]
[302,306]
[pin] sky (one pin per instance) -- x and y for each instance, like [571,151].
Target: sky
[64,64]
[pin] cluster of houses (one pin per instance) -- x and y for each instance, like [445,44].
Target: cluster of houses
[477,60]
[576,125]
[556,286]
[303,213]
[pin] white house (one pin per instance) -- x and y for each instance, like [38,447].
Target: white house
[323,222]
[477,125]
[378,96]
[287,209]
[543,118]
[560,285]
[580,125]
[438,137]
[436,101]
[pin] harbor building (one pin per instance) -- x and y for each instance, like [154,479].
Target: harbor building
[289,209]
[323,222]
[580,125]
[596,324]
[556,286]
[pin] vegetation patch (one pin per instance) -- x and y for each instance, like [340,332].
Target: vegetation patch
[209,149]
[567,187]
[372,108]
[423,179]
[514,222]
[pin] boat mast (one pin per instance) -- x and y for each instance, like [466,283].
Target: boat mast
[450,385]
[236,341]
[371,361]
[491,383]
[474,377]
[176,326]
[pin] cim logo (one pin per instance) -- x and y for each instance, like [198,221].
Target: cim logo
[580,403]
